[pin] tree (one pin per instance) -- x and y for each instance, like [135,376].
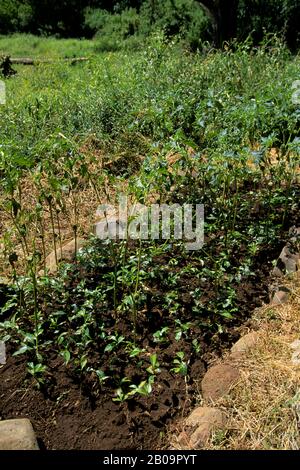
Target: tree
[15,15]
[224,16]
[239,18]
[256,17]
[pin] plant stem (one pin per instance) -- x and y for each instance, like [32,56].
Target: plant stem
[53,231]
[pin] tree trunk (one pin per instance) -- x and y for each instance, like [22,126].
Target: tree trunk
[224,16]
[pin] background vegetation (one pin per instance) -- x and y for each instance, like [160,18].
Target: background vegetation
[129,22]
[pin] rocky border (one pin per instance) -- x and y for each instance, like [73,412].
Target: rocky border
[17,434]
[221,378]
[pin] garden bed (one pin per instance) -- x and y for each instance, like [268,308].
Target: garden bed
[71,406]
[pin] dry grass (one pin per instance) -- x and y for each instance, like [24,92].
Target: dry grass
[263,409]
[87,202]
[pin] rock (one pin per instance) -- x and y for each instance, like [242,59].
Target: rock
[245,343]
[288,261]
[295,344]
[182,440]
[205,420]
[294,233]
[281,296]
[198,415]
[296,354]
[2,353]
[198,428]
[111,221]
[67,254]
[17,434]
[218,380]
[296,358]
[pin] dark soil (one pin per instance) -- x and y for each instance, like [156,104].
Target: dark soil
[72,412]
[69,418]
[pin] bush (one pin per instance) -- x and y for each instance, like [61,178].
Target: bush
[176,17]
[15,16]
[112,29]
[258,17]
[183,18]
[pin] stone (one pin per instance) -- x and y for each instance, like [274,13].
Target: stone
[200,414]
[245,343]
[17,434]
[182,440]
[295,344]
[296,354]
[294,233]
[2,353]
[287,262]
[218,380]
[206,420]
[66,254]
[280,297]
[296,358]
[198,428]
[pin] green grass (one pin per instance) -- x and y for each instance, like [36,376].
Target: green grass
[221,102]
[27,45]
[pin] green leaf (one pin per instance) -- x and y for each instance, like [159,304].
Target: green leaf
[153,360]
[83,362]
[66,355]
[23,349]
[178,335]
[109,347]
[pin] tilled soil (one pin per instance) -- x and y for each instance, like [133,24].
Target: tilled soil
[73,413]
[71,419]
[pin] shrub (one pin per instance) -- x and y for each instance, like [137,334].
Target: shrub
[15,16]
[183,18]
